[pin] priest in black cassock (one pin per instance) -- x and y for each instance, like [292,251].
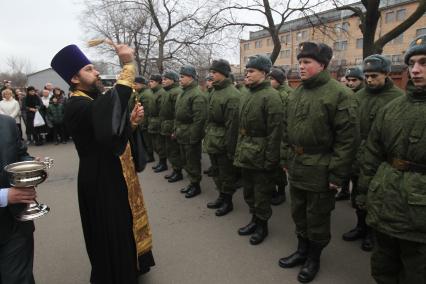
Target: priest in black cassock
[114,219]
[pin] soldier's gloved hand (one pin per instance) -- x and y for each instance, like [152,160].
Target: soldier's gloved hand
[361,201]
[173,136]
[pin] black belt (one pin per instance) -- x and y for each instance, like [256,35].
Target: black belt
[300,150]
[407,166]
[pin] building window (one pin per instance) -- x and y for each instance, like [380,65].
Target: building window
[246,46]
[286,39]
[398,40]
[400,15]
[390,17]
[420,32]
[397,59]
[359,43]
[341,45]
[358,61]
[258,44]
[341,27]
[302,35]
[285,53]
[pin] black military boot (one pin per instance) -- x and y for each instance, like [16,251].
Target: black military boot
[186,189]
[226,207]
[170,175]
[217,203]
[312,264]
[156,166]
[360,229]
[278,197]
[177,176]
[298,257]
[162,167]
[260,233]
[249,228]
[344,193]
[193,191]
[368,240]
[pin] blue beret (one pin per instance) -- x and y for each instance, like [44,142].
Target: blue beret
[68,61]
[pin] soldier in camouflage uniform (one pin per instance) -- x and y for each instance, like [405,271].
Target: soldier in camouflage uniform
[221,134]
[211,171]
[278,82]
[355,82]
[392,183]
[321,138]
[191,115]
[258,146]
[143,94]
[167,116]
[154,127]
[378,92]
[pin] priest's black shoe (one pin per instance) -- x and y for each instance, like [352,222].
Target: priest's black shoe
[360,229]
[170,175]
[248,229]
[260,233]
[368,241]
[176,177]
[312,265]
[217,203]
[226,207]
[297,258]
[193,191]
[186,189]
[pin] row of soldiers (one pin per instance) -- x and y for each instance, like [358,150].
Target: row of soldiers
[323,135]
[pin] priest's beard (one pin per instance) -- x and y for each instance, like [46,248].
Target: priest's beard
[97,87]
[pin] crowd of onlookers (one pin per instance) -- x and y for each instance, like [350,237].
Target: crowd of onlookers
[38,113]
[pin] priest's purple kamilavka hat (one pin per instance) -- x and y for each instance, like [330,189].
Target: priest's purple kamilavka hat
[68,61]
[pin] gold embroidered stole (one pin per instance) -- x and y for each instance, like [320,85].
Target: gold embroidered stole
[141,230]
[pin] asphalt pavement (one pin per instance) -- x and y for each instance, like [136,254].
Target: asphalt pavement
[191,244]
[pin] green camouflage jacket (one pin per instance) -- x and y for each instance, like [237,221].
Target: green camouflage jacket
[191,115]
[167,109]
[396,198]
[321,134]
[260,128]
[154,126]
[222,123]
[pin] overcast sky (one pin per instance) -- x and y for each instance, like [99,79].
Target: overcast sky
[36,29]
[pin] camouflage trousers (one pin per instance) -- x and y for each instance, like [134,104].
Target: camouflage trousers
[226,176]
[258,186]
[397,261]
[147,138]
[280,180]
[311,212]
[173,153]
[159,143]
[191,157]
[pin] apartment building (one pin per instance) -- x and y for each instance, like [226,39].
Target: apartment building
[342,34]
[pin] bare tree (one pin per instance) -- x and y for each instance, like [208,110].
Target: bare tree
[275,13]
[369,15]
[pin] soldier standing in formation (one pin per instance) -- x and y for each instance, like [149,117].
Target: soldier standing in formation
[392,180]
[191,115]
[154,127]
[258,147]
[167,117]
[143,94]
[320,134]
[221,134]
[355,82]
[278,82]
[378,92]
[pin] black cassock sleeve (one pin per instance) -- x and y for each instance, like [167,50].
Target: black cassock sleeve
[111,119]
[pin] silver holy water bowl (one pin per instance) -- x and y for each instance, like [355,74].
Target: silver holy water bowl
[29,174]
